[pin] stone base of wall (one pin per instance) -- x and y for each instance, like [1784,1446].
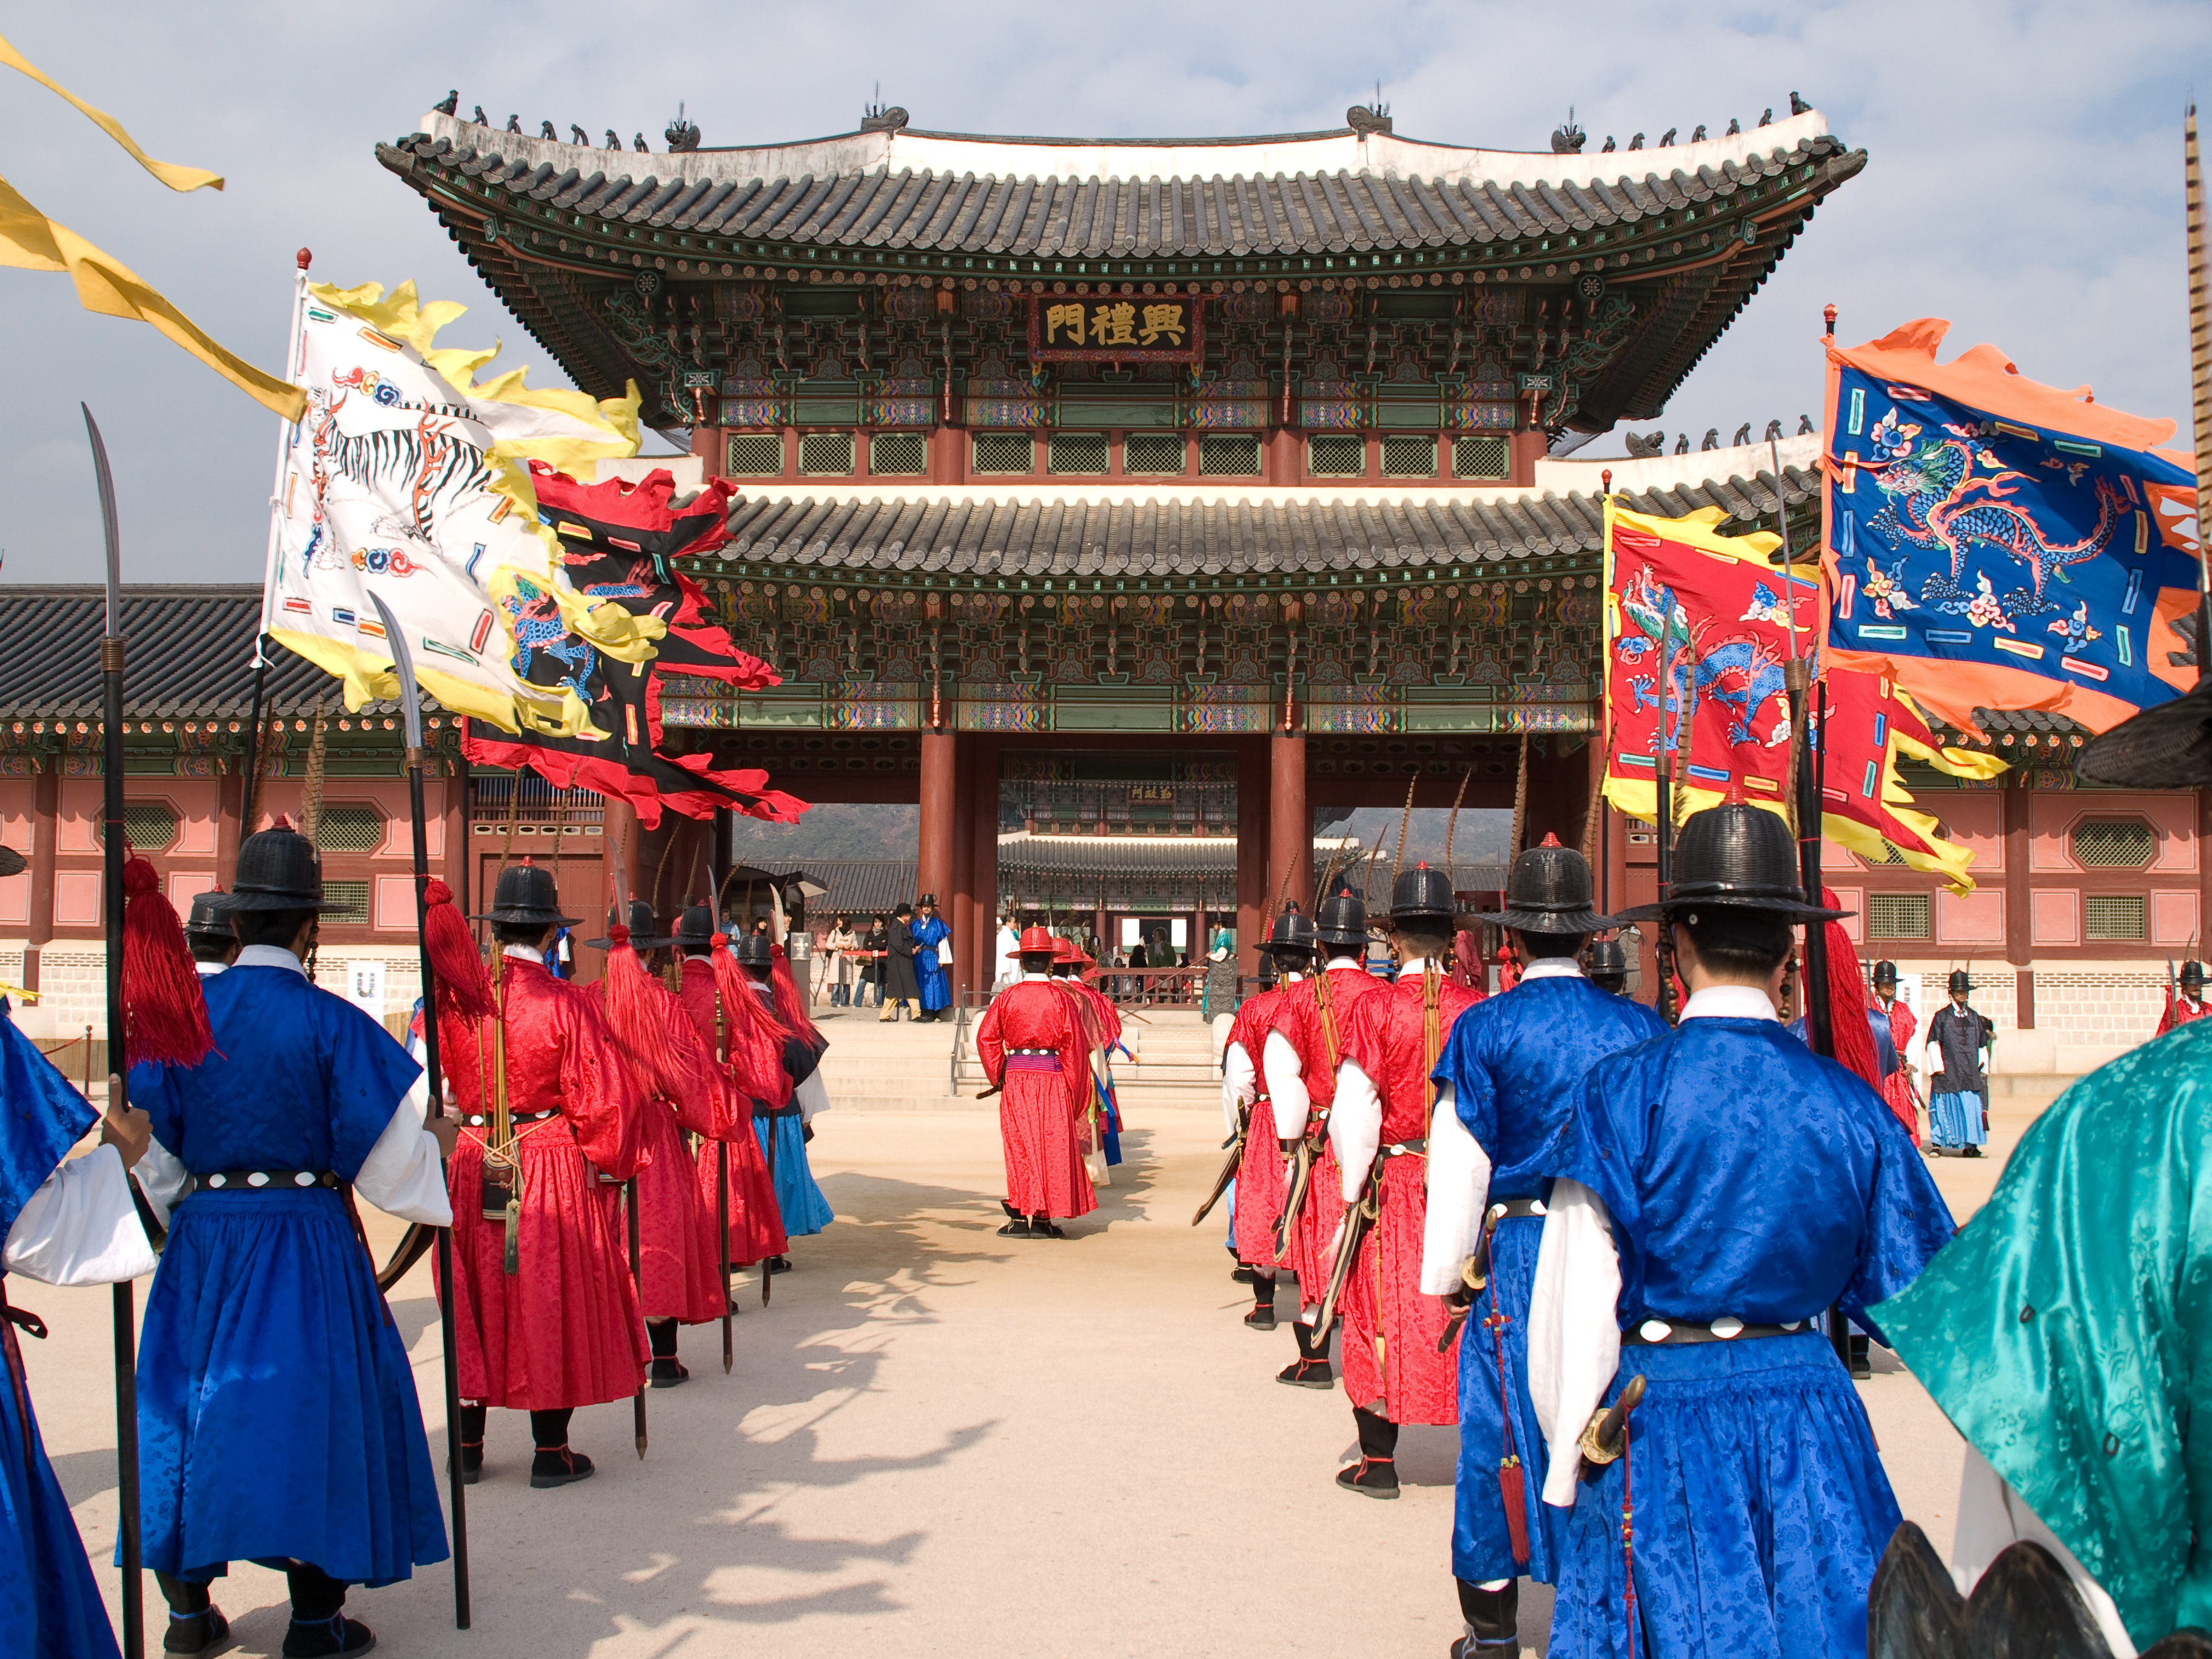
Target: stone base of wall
[2086,1013]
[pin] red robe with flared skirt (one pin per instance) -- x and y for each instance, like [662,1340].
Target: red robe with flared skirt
[1260,1183]
[1897,1087]
[1038,1098]
[755,1070]
[680,1264]
[565,1329]
[1309,1251]
[1391,1365]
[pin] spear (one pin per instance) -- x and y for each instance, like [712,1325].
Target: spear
[629,1187]
[411,706]
[124,1297]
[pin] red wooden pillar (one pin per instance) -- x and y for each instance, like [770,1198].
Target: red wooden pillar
[2203,867]
[454,868]
[46,833]
[983,838]
[960,911]
[933,866]
[230,807]
[1255,898]
[2017,800]
[1290,825]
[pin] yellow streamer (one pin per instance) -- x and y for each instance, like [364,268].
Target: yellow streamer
[31,241]
[175,177]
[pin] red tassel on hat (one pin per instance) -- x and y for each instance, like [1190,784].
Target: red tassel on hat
[639,1017]
[790,1006]
[463,990]
[741,1004]
[164,1015]
[1847,1009]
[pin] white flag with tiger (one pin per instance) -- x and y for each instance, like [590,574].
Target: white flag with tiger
[409,476]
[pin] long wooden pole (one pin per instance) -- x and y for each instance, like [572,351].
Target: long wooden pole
[2199,374]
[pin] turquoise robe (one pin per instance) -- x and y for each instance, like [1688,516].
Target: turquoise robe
[2066,1330]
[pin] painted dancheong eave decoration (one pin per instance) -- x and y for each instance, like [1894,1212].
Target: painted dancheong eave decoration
[901,266]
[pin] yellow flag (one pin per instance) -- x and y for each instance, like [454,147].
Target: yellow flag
[168,172]
[31,241]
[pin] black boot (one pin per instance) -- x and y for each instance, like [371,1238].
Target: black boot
[668,1371]
[1041,1227]
[1311,1368]
[472,1439]
[1494,1620]
[196,1624]
[555,1465]
[1262,1316]
[1859,1366]
[1375,1473]
[1017,1224]
[320,1626]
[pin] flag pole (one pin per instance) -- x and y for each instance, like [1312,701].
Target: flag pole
[124,1297]
[284,433]
[411,702]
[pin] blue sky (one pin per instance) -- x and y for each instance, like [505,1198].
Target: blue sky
[2024,176]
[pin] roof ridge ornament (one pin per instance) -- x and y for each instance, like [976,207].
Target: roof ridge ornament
[1568,140]
[876,118]
[683,135]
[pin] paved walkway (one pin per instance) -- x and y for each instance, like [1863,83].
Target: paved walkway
[939,1442]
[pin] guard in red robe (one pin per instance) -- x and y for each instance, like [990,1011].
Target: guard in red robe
[1035,1053]
[1097,1120]
[545,1315]
[747,1044]
[1379,1130]
[2188,1005]
[1250,1118]
[1897,1085]
[1299,1055]
[680,1264]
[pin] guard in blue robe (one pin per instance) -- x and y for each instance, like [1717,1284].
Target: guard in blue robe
[929,933]
[1749,1501]
[277,1416]
[784,1133]
[50,1603]
[1507,1085]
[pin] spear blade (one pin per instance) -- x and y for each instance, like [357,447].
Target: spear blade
[105,479]
[403,664]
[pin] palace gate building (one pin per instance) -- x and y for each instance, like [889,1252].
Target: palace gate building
[1182,487]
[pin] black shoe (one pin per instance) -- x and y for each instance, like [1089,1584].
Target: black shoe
[1041,1227]
[668,1373]
[205,1632]
[779,1264]
[1242,1275]
[1307,1373]
[1017,1228]
[559,1468]
[471,1462]
[1262,1317]
[324,1636]
[1370,1478]
[1972,1152]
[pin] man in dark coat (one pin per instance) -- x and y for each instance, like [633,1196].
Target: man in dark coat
[902,988]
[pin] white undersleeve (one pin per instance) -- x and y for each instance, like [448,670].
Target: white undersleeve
[80,1227]
[1574,1328]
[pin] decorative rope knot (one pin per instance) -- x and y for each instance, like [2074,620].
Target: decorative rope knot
[436,892]
[139,876]
[618,935]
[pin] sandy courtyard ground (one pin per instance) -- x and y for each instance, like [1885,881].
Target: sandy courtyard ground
[939,1442]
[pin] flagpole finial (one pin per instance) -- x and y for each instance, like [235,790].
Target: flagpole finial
[1605,481]
[1828,313]
[306,258]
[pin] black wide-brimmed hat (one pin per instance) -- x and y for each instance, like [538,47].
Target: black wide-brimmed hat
[754,950]
[526,893]
[927,901]
[1736,857]
[1605,957]
[2167,746]
[1885,973]
[1340,919]
[644,929]
[1549,891]
[1292,935]
[2192,972]
[1421,894]
[695,928]
[208,922]
[279,869]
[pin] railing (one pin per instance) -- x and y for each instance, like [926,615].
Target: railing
[495,798]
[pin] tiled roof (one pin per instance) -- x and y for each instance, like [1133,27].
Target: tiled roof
[1174,531]
[189,651]
[859,887]
[1305,193]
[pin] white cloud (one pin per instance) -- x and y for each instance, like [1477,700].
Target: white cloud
[2024,176]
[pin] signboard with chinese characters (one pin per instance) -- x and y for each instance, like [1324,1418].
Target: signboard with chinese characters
[1091,328]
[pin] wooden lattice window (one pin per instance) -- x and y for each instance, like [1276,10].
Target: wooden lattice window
[1228,455]
[1336,455]
[826,454]
[1004,453]
[2113,844]
[1899,916]
[1481,455]
[898,454]
[350,829]
[2115,916]
[755,455]
[1081,454]
[149,826]
[350,899]
[1152,453]
[1409,455]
